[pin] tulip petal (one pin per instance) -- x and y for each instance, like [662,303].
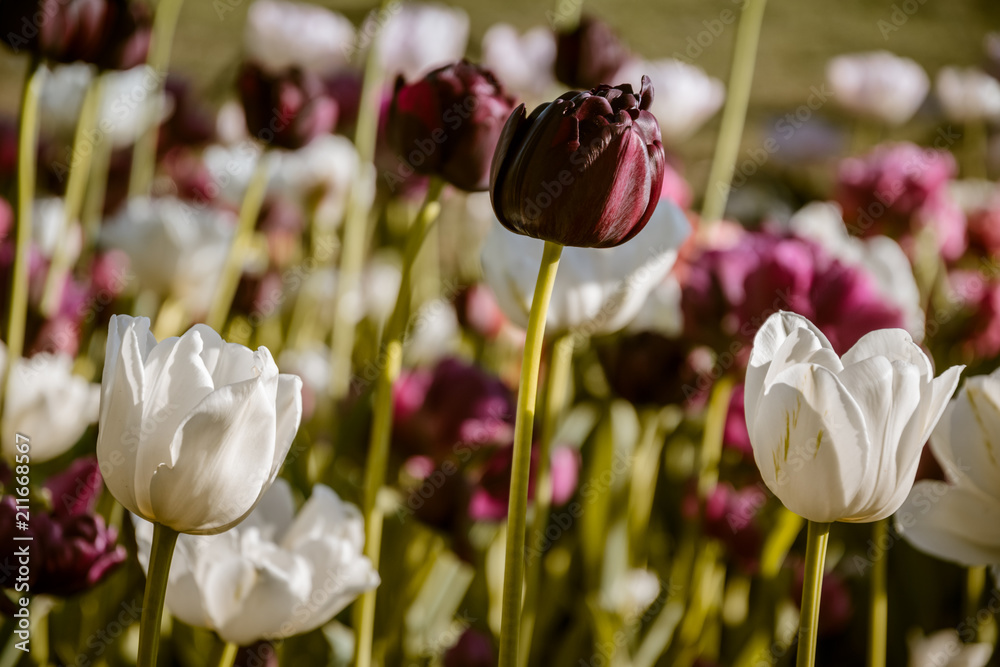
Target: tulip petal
[963,439]
[214,476]
[123,386]
[811,460]
[288,406]
[275,512]
[326,515]
[894,344]
[952,523]
[176,381]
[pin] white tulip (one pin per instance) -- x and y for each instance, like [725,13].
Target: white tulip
[945,649]
[175,248]
[419,37]
[878,85]
[959,520]
[880,256]
[685,97]
[193,430]
[597,290]
[434,333]
[48,226]
[968,94]
[275,575]
[839,439]
[48,404]
[524,63]
[280,35]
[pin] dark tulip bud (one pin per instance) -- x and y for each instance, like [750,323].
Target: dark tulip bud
[589,55]
[448,123]
[585,170]
[286,110]
[108,33]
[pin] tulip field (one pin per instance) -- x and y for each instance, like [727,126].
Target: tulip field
[426,334]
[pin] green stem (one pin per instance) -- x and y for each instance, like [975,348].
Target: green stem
[557,398]
[144,154]
[228,655]
[355,219]
[253,200]
[879,600]
[812,587]
[715,427]
[93,207]
[734,114]
[76,188]
[378,449]
[26,166]
[160,555]
[975,581]
[513,576]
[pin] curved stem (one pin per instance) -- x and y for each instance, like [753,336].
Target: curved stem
[228,656]
[734,114]
[144,153]
[76,188]
[358,207]
[879,601]
[510,624]
[557,398]
[812,587]
[378,449]
[26,164]
[253,199]
[160,555]
[975,582]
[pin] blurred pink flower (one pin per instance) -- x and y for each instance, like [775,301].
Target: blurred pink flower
[491,495]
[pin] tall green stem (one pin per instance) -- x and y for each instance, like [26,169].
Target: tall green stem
[358,207]
[734,114]
[26,165]
[975,581]
[879,600]
[513,576]
[162,552]
[228,655]
[557,397]
[76,188]
[715,427]
[812,587]
[378,449]
[253,199]
[161,44]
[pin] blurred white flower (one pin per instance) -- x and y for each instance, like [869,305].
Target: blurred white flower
[632,593]
[434,333]
[839,438]
[175,248]
[524,63]
[419,37]
[193,430]
[48,228]
[968,94]
[878,85]
[280,35]
[275,575]
[597,290]
[125,111]
[684,97]
[312,364]
[880,256]
[327,166]
[47,403]
[375,299]
[662,312]
[959,520]
[944,648]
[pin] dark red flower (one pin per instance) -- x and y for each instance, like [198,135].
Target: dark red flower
[448,123]
[287,110]
[585,170]
[589,55]
[474,649]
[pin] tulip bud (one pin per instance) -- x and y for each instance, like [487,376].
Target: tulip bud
[585,170]
[589,55]
[447,124]
[193,430]
[286,110]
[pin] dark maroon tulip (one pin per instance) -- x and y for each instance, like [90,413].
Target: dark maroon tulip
[448,123]
[109,33]
[589,55]
[636,364]
[585,170]
[731,517]
[474,649]
[454,409]
[287,110]
[71,550]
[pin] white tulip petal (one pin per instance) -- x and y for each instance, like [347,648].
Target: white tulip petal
[968,429]
[893,344]
[326,514]
[231,430]
[288,409]
[952,523]
[934,396]
[275,512]
[813,462]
